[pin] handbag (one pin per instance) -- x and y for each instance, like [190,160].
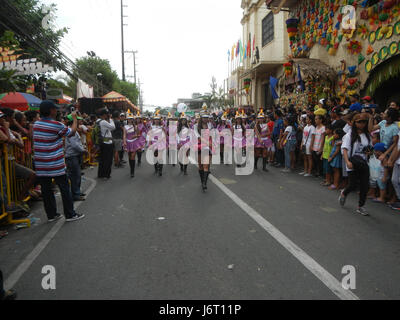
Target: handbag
[359,164]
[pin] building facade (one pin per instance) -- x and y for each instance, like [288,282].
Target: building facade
[358,40]
[265,48]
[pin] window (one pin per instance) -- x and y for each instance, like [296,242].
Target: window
[268,29]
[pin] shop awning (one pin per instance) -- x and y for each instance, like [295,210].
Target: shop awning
[113,97]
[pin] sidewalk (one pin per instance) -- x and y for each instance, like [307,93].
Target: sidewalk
[19,243]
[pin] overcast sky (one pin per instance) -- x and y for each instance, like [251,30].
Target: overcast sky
[181,43]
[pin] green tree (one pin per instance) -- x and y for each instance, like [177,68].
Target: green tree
[127,89]
[25,18]
[89,69]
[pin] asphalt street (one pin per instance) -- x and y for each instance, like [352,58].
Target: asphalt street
[162,238]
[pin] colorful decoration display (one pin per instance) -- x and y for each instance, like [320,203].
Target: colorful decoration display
[288,67]
[247,84]
[354,47]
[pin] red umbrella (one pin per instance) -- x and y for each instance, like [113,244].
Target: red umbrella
[19,101]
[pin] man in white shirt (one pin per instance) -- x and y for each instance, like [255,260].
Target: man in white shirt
[107,126]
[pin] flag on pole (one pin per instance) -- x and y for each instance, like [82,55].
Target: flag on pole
[272,83]
[254,43]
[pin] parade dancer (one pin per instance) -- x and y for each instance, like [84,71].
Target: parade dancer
[239,138]
[171,143]
[223,126]
[158,132]
[131,141]
[203,161]
[183,139]
[142,139]
[261,140]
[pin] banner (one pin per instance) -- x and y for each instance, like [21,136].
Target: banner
[83,90]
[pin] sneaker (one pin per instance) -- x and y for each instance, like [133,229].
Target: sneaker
[395,206]
[302,173]
[342,199]
[362,211]
[58,216]
[81,198]
[76,217]
[286,170]
[308,175]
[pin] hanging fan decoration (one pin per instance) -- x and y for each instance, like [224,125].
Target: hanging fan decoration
[247,84]
[288,67]
[292,28]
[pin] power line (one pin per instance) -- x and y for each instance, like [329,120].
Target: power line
[39,46]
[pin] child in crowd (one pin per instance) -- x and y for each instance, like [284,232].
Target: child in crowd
[335,158]
[306,145]
[271,148]
[328,145]
[317,143]
[378,174]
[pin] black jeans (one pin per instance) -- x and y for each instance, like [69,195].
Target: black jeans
[317,162]
[106,160]
[279,153]
[361,178]
[49,200]
[74,175]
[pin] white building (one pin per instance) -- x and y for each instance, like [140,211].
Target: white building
[267,36]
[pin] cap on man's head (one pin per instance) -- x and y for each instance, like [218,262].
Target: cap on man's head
[367,98]
[380,147]
[46,106]
[69,117]
[356,107]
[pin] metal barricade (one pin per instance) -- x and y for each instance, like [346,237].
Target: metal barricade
[9,186]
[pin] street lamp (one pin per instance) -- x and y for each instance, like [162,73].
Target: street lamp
[100,75]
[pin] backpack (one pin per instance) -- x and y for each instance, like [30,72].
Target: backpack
[97,138]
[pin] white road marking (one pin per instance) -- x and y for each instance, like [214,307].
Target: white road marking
[323,275]
[12,280]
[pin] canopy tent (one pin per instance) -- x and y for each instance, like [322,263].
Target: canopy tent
[19,101]
[115,97]
[65,100]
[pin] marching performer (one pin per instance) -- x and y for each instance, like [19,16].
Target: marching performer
[158,139]
[222,125]
[239,136]
[261,140]
[203,161]
[131,141]
[183,139]
[142,139]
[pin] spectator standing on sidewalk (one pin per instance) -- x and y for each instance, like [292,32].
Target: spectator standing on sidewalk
[107,126]
[74,150]
[50,160]
[117,135]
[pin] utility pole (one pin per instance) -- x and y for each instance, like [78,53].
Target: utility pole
[122,39]
[134,63]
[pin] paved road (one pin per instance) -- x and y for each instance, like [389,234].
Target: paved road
[209,247]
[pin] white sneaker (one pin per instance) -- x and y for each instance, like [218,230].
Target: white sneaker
[302,173]
[308,175]
[76,217]
[363,212]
